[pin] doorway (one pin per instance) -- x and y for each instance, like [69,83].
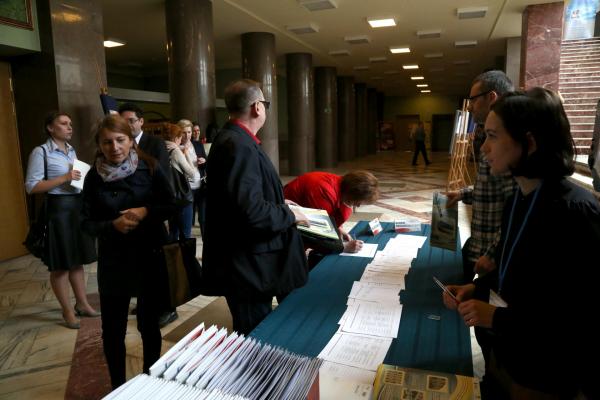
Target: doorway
[13,219]
[442,126]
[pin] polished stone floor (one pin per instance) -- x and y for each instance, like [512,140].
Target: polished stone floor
[41,359]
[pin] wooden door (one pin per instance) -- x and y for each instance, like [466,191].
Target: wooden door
[13,207]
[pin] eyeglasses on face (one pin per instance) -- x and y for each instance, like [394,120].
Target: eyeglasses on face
[132,120]
[265,103]
[471,98]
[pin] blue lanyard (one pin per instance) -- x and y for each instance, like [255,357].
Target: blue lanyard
[504,265]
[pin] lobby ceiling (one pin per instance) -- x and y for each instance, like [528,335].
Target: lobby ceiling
[141,23]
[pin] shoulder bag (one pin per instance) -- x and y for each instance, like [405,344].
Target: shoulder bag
[37,236]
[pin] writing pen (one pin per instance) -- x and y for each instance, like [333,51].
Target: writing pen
[445,289]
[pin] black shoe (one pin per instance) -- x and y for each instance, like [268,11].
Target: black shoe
[166,318]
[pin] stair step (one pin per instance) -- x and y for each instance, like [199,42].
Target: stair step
[582,119]
[578,101]
[586,63]
[571,73]
[580,113]
[595,56]
[581,41]
[586,79]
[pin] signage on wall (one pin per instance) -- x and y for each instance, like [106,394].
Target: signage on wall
[580,16]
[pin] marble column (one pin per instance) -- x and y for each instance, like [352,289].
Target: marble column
[191,59]
[301,116]
[361,119]
[66,75]
[346,118]
[372,123]
[540,45]
[326,117]
[259,63]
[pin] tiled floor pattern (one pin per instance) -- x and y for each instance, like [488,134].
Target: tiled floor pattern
[36,350]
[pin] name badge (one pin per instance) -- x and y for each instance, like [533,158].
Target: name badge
[375,226]
[496,300]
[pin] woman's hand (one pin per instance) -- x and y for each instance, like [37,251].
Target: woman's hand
[462,293]
[124,224]
[72,175]
[301,219]
[290,202]
[484,265]
[477,313]
[201,160]
[453,198]
[345,235]
[136,214]
[353,246]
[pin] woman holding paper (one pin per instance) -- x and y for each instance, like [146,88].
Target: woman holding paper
[67,248]
[537,305]
[126,200]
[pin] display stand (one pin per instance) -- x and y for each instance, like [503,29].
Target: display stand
[460,149]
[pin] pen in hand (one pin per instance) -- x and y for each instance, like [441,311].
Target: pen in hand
[445,289]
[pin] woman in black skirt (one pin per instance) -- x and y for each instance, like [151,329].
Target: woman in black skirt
[126,199]
[67,248]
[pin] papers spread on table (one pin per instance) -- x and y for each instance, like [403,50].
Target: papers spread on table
[358,351]
[320,223]
[84,169]
[368,250]
[209,363]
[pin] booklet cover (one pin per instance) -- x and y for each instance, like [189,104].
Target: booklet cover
[320,223]
[392,382]
[444,223]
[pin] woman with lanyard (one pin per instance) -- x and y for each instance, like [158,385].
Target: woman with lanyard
[50,171]
[537,306]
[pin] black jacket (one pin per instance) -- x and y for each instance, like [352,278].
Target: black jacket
[252,248]
[155,146]
[127,263]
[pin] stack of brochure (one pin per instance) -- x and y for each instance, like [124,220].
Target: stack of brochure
[370,323]
[208,363]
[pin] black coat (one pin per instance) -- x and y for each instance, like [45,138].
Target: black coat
[155,146]
[252,248]
[127,263]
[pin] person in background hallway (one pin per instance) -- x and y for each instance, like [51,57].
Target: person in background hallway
[126,199]
[489,193]
[67,248]
[543,338]
[252,250]
[200,194]
[194,152]
[419,137]
[337,195]
[196,133]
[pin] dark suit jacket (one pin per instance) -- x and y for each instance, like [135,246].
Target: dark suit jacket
[252,249]
[156,147]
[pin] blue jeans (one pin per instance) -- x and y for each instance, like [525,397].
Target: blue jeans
[184,217]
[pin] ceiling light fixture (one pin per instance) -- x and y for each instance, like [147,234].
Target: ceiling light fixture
[381,23]
[361,39]
[399,49]
[411,66]
[337,53]
[434,55]
[318,5]
[465,43]
[417,78]
[377,59]
[303,29]
[426,91]
[471,12]
[361,68]
[423,85]
[112,42]
[429,34]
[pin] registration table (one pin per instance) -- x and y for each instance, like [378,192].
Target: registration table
[430,336]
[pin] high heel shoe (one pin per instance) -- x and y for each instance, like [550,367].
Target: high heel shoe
[71,325]
[81,313]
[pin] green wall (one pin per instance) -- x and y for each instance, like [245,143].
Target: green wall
[20,40]
[424,105]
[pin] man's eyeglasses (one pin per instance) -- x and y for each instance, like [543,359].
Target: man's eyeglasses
[132,120]
[471,98]
[265,103]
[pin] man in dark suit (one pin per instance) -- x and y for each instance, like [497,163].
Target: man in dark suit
[155,147]
[252,249]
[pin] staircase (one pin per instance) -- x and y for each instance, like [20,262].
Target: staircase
[579,84]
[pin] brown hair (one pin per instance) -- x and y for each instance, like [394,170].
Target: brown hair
[360,187]
[51,117]
[116,123]
[171,132]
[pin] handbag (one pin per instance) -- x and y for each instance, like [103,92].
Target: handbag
[181,187]
[183,269]
[37,237]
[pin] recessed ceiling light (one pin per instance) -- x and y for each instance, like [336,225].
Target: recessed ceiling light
[417,78]
[426,91]
[471,12]
[399,49]
[434,55]
[339,53]
[361,68]
[318,5]
[381,23]
[465,43]
[422,85]
[411,66]
[428,34]
[303,29]
[361,39]
[377,59]
[112,42]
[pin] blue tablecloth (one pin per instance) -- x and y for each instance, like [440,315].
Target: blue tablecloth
[308,317]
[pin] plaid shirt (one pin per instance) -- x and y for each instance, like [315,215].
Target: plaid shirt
[487,198]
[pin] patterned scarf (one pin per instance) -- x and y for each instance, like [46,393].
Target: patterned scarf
[110,172]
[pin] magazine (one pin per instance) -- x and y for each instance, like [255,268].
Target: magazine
[444,223]
[320,223]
